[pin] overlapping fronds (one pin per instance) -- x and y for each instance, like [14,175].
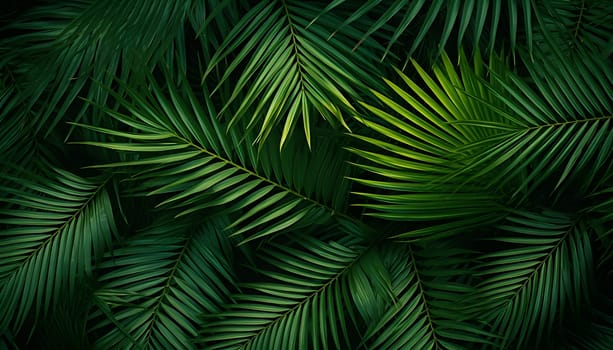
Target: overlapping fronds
[269,175]
[468,21]
[300,300]
[53,229]
[416,151]
[577,25]
[543,275]
[58,49]
[197,167]
[429,285]
[283,71]
[156,288]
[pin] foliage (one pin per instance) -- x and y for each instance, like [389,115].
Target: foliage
[307,175]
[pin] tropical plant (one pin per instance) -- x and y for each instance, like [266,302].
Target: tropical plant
[306,175]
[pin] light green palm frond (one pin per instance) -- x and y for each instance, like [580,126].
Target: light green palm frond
[284,72]
[300,300]
[188,159]
[54,228]
[155,289]
[417,152]
[430,286]
[542,274]
[471,21]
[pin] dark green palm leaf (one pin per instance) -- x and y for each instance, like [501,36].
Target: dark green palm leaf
[554,133]
[155,289]
[423,17]
[430,288]
[545,267]
[65,45]
[54,229]
[301,301]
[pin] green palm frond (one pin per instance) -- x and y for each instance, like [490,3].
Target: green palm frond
[543,273]
[190,160]
[471,21]
[577,24]
[463,201]
[283,73]
[601,220]
[12,119]
[555,132]
[429,311]
[54,228]
[597,333]
[61,47]
[301,300]
[155,288]
[417,150]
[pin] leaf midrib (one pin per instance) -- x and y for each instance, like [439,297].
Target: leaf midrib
[53,235]
[313,294]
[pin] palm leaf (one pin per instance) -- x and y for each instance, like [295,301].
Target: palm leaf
[545,267]
[577,25]
[429,308]
[421,18]
[187,158]
[596,333]
[557,133]
[289,73]
[300,301]
[600,212]
[155,289]
[55,227]
[62,46]
[417,152]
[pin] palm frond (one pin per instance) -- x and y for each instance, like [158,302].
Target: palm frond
[600,212]
[287,73]
[557,132]
[301,300]
[61,47]
[577,25]
[597,333]
[430,288]
[155,288]
[54,229]
[471,21]
[543,273]
[417,152]
[189,159]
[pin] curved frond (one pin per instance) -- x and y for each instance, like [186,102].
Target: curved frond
[596,334]
[577,25]
[61,47]
[156,288]
[300,301]
[557,131]
[543,274]
[188,159]
[429,309]
[472,21]
[417,151]
[290,72]
[54,229]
